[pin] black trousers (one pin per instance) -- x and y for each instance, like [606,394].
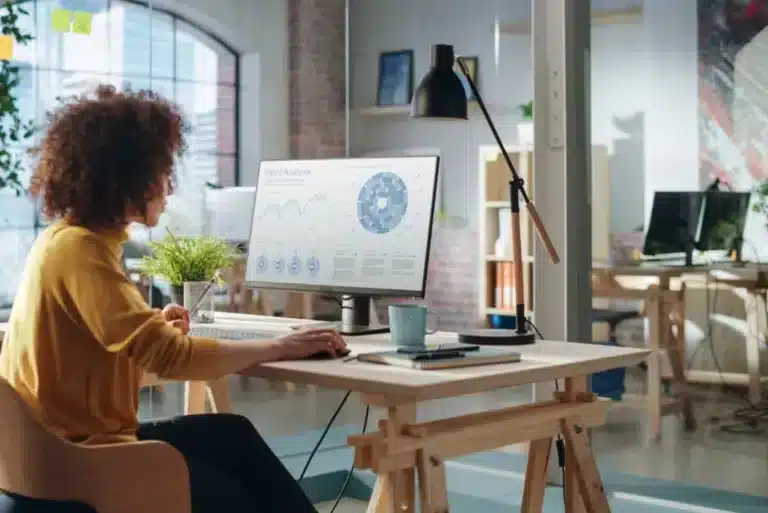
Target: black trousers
[231,468]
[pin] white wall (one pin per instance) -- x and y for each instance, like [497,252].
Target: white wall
[672,130]
[258,30]
[644,91]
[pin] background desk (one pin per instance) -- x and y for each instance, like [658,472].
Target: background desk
[665,309]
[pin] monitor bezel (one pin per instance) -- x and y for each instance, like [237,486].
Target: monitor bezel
[354,291]
[650,219]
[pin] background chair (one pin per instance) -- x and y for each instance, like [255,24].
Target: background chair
[43,473]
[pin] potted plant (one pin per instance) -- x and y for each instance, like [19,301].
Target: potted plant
[189,264]
[525,127]
[761,201]
[16,131]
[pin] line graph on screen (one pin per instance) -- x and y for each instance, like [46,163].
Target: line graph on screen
[292,208]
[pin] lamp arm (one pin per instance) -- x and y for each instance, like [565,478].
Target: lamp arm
[541,231]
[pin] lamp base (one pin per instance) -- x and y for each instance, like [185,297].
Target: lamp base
[493,337]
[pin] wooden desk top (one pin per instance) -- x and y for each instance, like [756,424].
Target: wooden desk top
[649,269]
[541,362]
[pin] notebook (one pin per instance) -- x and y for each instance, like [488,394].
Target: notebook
[431,361]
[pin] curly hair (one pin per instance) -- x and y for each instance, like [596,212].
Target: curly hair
[104,155]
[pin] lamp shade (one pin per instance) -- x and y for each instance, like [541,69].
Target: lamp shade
[440,93]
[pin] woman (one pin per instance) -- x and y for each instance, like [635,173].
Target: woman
[80,335]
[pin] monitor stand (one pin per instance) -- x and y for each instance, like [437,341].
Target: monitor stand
[356,317]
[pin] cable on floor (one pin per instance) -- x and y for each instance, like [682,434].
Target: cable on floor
[352,468]
[752,418]
[322,436]
[320,442]
[559,442]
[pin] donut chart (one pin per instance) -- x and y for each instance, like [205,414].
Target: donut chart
[295,265]
[313,266]
[262,264]
[279,264]
[382,203]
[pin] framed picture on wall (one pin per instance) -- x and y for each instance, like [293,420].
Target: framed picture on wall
[471,63]
[395,78]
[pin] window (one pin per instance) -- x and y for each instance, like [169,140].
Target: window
[131,45]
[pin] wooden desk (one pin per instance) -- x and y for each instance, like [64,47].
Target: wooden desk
[403,446]
[665,309]
[755,285]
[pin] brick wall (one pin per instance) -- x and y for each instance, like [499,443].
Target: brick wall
[316,64]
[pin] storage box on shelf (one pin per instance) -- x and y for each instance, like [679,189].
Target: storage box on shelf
[497,295]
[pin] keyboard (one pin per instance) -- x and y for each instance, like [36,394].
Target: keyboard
[227,333]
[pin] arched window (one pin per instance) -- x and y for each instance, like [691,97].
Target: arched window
[131,45]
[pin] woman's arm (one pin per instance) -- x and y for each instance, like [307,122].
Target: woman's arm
[96,293]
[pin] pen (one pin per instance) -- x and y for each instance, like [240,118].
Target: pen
[199,302]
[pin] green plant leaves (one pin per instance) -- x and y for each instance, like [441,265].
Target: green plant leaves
[179,259]
[14,131]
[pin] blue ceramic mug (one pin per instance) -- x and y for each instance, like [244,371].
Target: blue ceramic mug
[408,324]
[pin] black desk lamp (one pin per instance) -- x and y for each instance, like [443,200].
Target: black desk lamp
[441,94]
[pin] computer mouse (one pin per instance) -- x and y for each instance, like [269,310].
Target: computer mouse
[324,355]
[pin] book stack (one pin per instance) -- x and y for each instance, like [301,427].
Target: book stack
[505,286]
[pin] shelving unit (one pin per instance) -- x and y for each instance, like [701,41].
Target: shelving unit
[493,187]
[405,110]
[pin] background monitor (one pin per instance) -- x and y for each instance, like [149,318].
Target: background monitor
[228,213]
[674,224]
[351,226]
[723,220]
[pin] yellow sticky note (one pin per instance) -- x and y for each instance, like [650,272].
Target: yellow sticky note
[60,19]
[83,23]
[6,48]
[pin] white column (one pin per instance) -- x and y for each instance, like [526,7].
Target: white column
[562,292]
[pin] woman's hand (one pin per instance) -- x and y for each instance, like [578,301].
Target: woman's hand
[177,316]
[304,343]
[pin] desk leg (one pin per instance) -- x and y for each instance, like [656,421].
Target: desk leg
[656,326]
[754,305]
[573,500]
[194,397]
[433,492]
[395,492]
[535,476]
[676,354]
[584,492]
[218,395]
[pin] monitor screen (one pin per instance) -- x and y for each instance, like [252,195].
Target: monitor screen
[674,223]
[354,226]
[725,214]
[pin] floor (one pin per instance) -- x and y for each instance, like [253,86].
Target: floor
[709,457]
[345,506]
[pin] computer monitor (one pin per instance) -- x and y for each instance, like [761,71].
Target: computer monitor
[228,213]
[359,227]
[755,247]
[674,225]
[722,225]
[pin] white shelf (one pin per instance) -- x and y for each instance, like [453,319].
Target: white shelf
[497,204]
[392,110]
[621,16]
[504,311]
[494,258]
[405,110]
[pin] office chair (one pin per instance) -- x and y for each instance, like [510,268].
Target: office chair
[43,473]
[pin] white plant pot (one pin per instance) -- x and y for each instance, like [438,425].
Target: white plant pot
[525,133]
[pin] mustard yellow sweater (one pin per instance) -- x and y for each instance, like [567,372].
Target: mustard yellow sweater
[80,337]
